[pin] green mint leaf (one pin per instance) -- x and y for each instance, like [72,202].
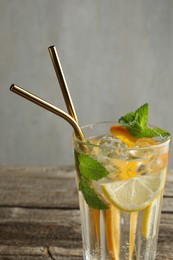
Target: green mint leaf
[154,132]
[90,196]
[147,132]
[90,168]
[136,119]
[135,130]
[127,119]
[141,115]
[143,132]
[137,124]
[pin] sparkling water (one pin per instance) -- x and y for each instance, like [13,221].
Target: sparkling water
[116,234]
[135,234]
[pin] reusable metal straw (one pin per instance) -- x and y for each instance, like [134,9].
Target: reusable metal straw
[42,103]
[62,82]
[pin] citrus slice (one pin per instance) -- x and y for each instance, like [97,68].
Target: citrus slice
[150,218]
[145,141]
[95,215]
[112,222]
[123,134]
[132,234]
[147,221]
[135,193]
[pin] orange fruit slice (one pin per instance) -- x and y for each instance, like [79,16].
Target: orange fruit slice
[123,134]
[95,215]
[112,221]
[145,141]
[128,169]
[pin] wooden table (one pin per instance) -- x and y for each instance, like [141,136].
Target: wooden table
[39,215]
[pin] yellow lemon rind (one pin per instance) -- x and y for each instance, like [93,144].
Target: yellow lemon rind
[133,208]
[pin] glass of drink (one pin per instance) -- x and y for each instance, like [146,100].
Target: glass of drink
[121,180]
[121,172]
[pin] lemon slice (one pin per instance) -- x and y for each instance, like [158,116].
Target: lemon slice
[147,220]
[135,193]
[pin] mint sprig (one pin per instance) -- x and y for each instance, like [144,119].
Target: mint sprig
[137,124]
[91,197]
[90,169]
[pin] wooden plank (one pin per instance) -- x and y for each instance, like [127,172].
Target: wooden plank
[38,171]
[49,187]
[61,253]
[169,184]
[40,225]
[163,252]
[59,229]
[39,187]
[167,206]
[36,227]
[24,253]
[33,224]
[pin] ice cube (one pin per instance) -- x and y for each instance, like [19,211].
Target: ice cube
[106,150]
[156,163]
[109,141]
[140,149]
[142,142]
[108,163]
[154,159]
[142,154]
[110,146]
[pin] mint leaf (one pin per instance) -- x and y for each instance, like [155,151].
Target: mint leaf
[153,132]
[90,196]
[90,168]
[137,124]
[141,115]
[127,119]
[136,119]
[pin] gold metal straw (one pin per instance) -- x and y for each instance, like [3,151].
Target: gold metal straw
[62,82]
[42,103]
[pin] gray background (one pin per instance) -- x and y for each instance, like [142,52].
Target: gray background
[116,55]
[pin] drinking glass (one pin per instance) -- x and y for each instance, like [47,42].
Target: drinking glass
[132,190]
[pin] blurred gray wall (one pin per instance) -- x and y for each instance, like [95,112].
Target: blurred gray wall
[116,55]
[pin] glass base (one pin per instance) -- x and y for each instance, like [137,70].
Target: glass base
[116,235]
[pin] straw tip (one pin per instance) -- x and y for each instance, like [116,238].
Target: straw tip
[12,87]
[51,47]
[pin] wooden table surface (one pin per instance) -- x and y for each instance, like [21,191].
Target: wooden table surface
[39,215]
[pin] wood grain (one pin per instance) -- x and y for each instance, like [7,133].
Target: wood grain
[40,219]
[39,187]
[24,253]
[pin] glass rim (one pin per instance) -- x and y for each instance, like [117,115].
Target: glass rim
[86,143]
